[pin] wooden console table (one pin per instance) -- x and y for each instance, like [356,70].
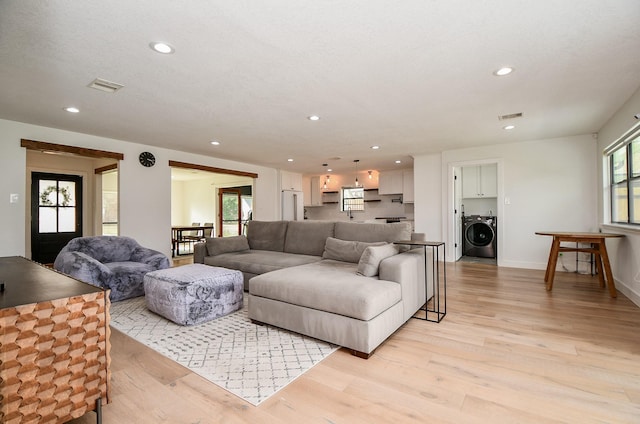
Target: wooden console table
[54,345]
[597,247]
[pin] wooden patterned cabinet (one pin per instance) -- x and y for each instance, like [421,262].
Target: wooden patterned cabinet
[54,345]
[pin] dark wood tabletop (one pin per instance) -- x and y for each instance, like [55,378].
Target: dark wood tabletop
[27,282]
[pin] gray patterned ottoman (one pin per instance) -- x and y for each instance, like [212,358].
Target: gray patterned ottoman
[193,294]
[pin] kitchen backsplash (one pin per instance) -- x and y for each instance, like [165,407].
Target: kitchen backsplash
[372,210]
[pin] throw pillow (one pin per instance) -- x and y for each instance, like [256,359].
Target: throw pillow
[219,245]
[372,256]
[344,250]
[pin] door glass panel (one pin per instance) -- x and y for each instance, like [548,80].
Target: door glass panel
[47,220]
[66,193]
[48,193]
[110,203]
[230,214]
[247,209]
[67,220]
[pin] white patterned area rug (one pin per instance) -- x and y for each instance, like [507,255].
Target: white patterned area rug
[251,361]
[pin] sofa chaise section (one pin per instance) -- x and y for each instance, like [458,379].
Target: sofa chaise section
[329,301]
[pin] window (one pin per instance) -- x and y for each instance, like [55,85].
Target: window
[352,199]
[624,177]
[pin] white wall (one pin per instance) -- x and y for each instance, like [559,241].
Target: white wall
[145,193]
[624,253]
[549,184]
[429,201]
[199,202]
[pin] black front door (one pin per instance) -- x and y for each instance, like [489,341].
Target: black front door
[56,213]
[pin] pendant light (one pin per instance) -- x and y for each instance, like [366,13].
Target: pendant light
[356,162]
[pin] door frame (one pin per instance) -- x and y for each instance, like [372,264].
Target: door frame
[221,192]
[449,217]
[34,204]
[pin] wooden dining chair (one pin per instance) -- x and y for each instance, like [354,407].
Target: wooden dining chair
[208,231]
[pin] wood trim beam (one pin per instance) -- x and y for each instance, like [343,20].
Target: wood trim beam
[80,151]
[103,169]
[176,164]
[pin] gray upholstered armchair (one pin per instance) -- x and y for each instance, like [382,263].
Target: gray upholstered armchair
[110,262]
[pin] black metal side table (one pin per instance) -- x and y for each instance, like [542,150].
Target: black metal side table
[438,308]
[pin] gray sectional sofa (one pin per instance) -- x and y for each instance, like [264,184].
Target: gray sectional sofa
[342,282]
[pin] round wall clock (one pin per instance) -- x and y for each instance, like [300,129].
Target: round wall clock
[147,159]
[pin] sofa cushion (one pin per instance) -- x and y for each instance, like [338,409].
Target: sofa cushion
[126,279]
[331,286]
[267,235]
[344,250]
[259,261]
[307,237]
[372,256]
[219,245]
[373,232]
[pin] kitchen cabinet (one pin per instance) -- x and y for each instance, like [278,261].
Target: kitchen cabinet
[479,181]
[311,192]
[407,186]
[390,182]
[290,181]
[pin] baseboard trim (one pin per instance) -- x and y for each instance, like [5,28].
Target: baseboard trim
[632,295]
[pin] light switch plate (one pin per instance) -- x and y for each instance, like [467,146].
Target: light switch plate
[13,198]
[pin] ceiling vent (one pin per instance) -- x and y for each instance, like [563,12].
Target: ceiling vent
[510,116]
[104,85]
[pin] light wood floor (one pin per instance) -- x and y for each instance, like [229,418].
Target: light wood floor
[507,352]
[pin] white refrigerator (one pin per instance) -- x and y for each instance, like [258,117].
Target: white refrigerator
[292,205]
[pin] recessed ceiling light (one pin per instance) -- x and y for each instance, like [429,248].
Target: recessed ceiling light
[215,143]
[313,118]
[375,147]
[329,170]
[508,127]
[503,71]
[289,160]
[398,161]
[72,109]
[161,47]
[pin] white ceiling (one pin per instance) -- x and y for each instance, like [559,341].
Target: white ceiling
[413,76]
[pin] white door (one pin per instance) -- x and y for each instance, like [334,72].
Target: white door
[457,215]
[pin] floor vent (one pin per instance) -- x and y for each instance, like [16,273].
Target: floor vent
[104,85]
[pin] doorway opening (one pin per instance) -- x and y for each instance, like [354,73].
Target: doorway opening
[109,213]
[236,210]
[474,215]
[210,202]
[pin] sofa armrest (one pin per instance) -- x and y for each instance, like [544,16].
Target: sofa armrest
[199,252]
[151,257]
[83,267]
[407,269]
